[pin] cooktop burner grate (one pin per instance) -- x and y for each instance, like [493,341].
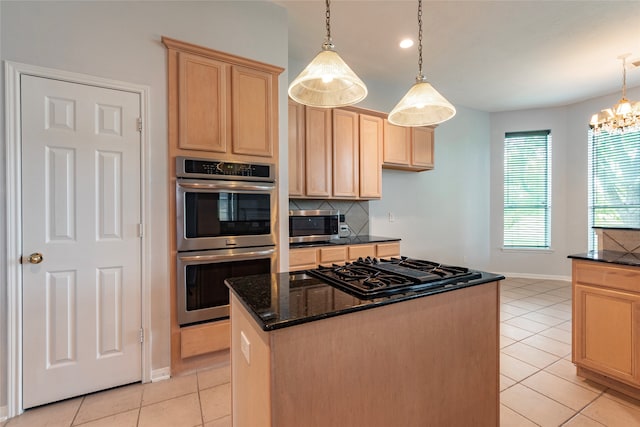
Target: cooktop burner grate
[371,277]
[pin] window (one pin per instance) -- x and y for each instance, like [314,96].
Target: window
[614,181]
[527,189]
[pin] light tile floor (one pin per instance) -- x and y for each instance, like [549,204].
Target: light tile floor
[538,382]
[199,399]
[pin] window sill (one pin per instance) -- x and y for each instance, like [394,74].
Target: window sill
[528,250]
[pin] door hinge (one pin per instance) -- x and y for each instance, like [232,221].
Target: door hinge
[141,335]
[140,230]
[139,122]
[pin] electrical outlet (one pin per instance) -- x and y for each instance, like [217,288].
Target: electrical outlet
[392,217]
[245,347]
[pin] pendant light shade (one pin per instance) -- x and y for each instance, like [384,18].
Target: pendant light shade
[327,81]
[423,105]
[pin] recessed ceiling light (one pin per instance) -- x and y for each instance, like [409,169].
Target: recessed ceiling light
[406,43]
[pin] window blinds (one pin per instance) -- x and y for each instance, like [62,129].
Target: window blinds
[527,189]
[614,182]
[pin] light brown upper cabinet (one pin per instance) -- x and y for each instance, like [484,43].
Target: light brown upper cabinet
[226,105]
[337,156]
[296,149]
[371,134]
[318,152]
[346,154]
[407,148]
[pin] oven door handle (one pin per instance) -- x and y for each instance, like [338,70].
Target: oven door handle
[233,254]
[226,185]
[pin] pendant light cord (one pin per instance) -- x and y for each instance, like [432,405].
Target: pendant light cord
[328,21]
[420,76]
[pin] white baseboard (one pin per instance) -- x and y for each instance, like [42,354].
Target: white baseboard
[535,276]
[160,374]
[3,413]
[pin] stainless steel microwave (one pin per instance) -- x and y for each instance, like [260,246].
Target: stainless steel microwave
[313,225]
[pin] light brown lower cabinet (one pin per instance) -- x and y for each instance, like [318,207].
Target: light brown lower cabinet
[309,258]
[392,365]
[606,324]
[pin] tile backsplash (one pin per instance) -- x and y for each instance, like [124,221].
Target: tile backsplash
[356,213]
[620,240]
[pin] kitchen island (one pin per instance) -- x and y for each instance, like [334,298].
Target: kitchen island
[305,353]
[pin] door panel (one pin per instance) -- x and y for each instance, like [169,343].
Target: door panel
[81,211]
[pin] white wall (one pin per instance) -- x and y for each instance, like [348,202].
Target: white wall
[442,214]
[569,224]
[121,41]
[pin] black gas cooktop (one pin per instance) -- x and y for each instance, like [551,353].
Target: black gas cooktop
[372,277]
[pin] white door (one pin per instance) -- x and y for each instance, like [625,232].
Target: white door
[81,211]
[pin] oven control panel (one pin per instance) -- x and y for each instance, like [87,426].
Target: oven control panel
[188,167]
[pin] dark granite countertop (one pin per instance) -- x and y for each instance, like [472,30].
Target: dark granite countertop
[352,240]
[616,228]
[612,257]
[281,300]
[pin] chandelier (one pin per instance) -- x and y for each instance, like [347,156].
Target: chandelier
[423,105]
[327,81]
[622,117]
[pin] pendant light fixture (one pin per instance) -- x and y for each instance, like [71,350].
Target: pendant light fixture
[327,81]
[422,105]
[624,116]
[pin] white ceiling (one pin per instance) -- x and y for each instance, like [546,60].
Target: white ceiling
[487,55]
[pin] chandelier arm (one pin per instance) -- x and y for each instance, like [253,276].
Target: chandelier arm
[624,77]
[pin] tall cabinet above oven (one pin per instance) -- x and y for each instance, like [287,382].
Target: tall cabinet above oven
[223,119]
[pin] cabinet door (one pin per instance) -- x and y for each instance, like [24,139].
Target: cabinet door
[331,255]
[371,133]
[397,144]
[203,104]
[361,251]
[345,154]
[318,152]
[422,147]
[303,259]
[296,149]
[253,112]
[386,250]
[606,332]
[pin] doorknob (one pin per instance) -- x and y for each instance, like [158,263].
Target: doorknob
[35,258]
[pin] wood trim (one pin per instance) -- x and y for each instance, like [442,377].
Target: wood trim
[608,382]
[222,56]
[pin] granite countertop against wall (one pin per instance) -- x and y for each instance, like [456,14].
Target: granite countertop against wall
[354,240]
[616,245]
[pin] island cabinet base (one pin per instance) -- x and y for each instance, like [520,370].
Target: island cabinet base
[430,361]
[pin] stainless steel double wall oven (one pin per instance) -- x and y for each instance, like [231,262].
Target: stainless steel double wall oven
[225,217]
